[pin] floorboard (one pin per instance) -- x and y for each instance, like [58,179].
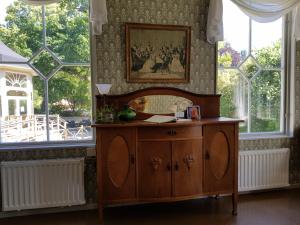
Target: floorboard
[270,208]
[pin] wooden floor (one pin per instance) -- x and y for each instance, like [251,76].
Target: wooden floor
[272,208]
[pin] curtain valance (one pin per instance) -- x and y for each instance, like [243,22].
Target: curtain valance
[258,10]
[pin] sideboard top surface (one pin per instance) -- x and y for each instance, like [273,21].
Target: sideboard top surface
[141,123]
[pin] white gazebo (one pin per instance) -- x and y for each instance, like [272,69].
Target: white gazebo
[16,90]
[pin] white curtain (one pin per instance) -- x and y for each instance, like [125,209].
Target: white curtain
[266,10]
[98,16]
[258,10]
[215,22]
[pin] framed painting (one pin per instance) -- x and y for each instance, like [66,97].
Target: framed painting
[157,53]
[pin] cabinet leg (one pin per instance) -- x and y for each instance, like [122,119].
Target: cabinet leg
[234,203]
[100,214]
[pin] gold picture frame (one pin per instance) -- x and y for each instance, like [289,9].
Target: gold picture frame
[157,53]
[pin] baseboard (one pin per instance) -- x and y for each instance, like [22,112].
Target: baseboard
[48,210]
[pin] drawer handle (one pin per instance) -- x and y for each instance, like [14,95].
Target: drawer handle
[169,167]
[172,132]
[207,156]
[176,166]
[132,159]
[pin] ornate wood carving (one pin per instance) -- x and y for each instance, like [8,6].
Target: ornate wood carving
[188,160]
[155,163]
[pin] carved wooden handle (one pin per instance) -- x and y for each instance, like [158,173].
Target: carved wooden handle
[188,160]
[156,162]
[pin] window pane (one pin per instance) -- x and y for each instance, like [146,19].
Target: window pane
[266,102]
[45,63]
[235,47]
[266,48]
[12,107]
[20,30]
[234,90]
[70,104]
[23,107]
[16,80]
[68,30]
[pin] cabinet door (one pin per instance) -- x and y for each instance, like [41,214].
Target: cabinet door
[118,163]
[219,158]
[154,169]
[187,167]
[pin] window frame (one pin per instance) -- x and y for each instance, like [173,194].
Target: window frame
[286,117]
[48,144]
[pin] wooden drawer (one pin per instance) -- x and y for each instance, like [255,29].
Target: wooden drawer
[158,133]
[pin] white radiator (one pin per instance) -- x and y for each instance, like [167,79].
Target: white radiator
[42,183]
[263,169]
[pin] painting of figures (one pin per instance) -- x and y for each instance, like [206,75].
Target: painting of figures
[157,53]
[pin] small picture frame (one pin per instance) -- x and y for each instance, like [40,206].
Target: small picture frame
[193,112]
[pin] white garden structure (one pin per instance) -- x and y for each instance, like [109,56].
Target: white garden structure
[18,123]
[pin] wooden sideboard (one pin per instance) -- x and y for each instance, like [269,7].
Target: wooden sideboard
[147,162]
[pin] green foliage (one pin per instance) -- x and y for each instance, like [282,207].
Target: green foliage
[67,35]
[70,86]
[265,89]
[105,114]
[226,81]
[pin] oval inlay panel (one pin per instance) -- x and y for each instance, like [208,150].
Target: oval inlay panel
[219,155]
[118,160]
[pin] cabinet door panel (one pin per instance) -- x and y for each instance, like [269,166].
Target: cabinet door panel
[187,167]
[154,169]
[219,158]
[118,164]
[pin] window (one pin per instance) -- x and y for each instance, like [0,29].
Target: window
[45,72]
[251,71]
[16,80]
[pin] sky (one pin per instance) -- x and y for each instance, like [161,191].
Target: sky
[236,29]
[4,4]
[236,26]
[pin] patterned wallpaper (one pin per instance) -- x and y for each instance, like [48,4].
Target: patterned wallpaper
[111,44]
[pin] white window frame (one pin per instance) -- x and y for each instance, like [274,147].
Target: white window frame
[287,91]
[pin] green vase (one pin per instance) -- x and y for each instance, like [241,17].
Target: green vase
[126,114]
